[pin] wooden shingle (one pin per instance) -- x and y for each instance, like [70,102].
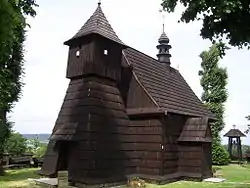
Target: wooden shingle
[167,87]
[97,24]
[195,130]
[234,133]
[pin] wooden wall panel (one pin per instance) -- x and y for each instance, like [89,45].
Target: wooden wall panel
[191,158]
[137,97]
[148,145]
[92,60]
[77,66]
[172,130]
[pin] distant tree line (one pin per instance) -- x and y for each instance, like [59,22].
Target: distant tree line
[17,145]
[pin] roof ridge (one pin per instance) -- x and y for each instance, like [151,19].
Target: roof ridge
[156,60]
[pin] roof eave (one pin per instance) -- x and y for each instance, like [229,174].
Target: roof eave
[145,111]
[74,39]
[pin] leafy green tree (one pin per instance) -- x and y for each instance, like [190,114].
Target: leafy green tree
[16,144]
[40,152]
[213,81]
[227,18]
[12,35]
[248,126]
[33,145]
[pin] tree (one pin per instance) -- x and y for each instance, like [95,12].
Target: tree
[12,35]
[33,145]
[248,126]
[213,81]
[40,152]
[16,144]
[227,18]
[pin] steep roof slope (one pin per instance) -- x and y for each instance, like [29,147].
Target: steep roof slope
[167,87]
[195,130]
[97,24]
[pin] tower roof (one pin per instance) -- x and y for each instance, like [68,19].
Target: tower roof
[163,38]
[234,133]
[97,24]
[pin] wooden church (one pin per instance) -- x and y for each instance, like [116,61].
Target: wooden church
[126,114]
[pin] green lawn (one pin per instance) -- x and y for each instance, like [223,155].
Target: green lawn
[236,177]
[19,178]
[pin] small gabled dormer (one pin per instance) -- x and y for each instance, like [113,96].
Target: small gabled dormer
[95,49]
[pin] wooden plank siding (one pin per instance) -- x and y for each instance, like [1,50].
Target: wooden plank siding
[137,97]
[93,114]
[173,125]
[148,146]
[77,66]
[191,158]
[92,60]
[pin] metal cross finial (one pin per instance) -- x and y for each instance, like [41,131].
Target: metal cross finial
[163,25]
[163,19]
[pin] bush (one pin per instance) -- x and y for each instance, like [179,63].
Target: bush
[220,156]
[40,152]
[136,182]
[16,144]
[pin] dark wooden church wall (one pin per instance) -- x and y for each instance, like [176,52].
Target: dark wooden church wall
[146,147]
[191,158]
[173,125]
[93,60]
[96,107]
[78,65]
[50,160]
[137,97]
[207,160]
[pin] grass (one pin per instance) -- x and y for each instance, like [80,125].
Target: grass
[19,178]
[236,177]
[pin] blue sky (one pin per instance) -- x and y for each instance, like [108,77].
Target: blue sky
[139,25]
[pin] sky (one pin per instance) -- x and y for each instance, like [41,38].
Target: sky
[139,25]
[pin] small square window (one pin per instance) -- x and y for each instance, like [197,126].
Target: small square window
[77,53]
[105,52]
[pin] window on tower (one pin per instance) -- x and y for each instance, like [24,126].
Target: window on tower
[105,52]
[77,53]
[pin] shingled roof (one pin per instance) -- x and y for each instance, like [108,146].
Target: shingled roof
[166,86]
[97,24]
[195,130]
[234,133]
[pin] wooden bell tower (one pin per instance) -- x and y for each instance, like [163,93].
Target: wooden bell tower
[234,140]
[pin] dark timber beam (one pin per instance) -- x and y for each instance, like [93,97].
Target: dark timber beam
[145,111]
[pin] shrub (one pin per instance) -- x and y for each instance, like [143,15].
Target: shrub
[220,155]
[40,152]
[16,144]
[136,182]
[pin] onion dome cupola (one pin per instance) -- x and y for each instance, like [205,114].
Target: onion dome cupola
[163,47]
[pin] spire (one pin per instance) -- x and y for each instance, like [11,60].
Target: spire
[163,47]
[97,24]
